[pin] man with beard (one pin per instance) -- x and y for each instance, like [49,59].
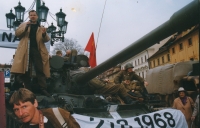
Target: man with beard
[25,105]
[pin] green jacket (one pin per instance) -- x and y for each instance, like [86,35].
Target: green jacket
[122,74]
[96,84]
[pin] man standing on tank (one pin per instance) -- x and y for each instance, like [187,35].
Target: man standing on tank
[128,72]
[32,49]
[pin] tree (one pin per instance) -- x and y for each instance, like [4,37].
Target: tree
[68,44]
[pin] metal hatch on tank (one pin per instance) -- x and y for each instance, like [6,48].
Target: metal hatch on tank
[69,85]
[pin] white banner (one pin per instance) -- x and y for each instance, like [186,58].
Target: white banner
[9,40]
[167,118]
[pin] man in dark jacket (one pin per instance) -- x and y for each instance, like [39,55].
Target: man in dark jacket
[25,108]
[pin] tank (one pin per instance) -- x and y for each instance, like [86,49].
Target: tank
[68,83]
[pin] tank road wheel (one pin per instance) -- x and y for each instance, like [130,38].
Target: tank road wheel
[167,100]
[158,97]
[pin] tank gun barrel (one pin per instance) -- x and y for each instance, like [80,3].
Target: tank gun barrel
[181,20]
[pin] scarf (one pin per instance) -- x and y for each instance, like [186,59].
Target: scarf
[184,100]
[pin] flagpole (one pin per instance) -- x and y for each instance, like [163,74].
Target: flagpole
[100,23]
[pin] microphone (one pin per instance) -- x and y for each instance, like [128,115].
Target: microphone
[27,25]
[30,22]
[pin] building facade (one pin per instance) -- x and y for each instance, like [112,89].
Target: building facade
[186,46]
[182,46]
[162,56]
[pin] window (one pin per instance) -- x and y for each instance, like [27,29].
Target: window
[163,61]
[173,50]
[192,59]
[168,57]
[154,63]
[138,61]
[150,65]
[135,63]
[180,46]
[143,75]
[158,61]
[145,58]
[141,59]
[189,41]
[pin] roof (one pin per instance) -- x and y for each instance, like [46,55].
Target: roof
[176,37]
[164,47]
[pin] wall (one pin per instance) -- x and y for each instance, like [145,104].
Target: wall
[188,52]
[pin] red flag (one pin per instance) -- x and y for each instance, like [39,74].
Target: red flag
[91,48]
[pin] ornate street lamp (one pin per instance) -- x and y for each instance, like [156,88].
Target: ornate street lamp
[60,16]
[19,12]
[42,16]
[16,24]
[62,24]
[43,11]
[10,18]
[55,35]
[51,28]
[64,27]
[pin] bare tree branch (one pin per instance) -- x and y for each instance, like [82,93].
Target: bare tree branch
[68,44]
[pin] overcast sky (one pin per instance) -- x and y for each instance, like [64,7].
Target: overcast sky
[124,21]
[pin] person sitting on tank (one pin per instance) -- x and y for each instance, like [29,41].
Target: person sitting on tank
[67,55]
[59,53]
[100,87]
[24,104]
[132,87]
[70,57]
[128,71]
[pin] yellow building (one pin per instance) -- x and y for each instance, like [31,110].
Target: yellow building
[183,46]
[186,46]
[162,56]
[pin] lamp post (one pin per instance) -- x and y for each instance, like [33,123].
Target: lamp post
[38,3]
[10,18]
[16,24]
[13,21]
[42,13]
[19,12]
